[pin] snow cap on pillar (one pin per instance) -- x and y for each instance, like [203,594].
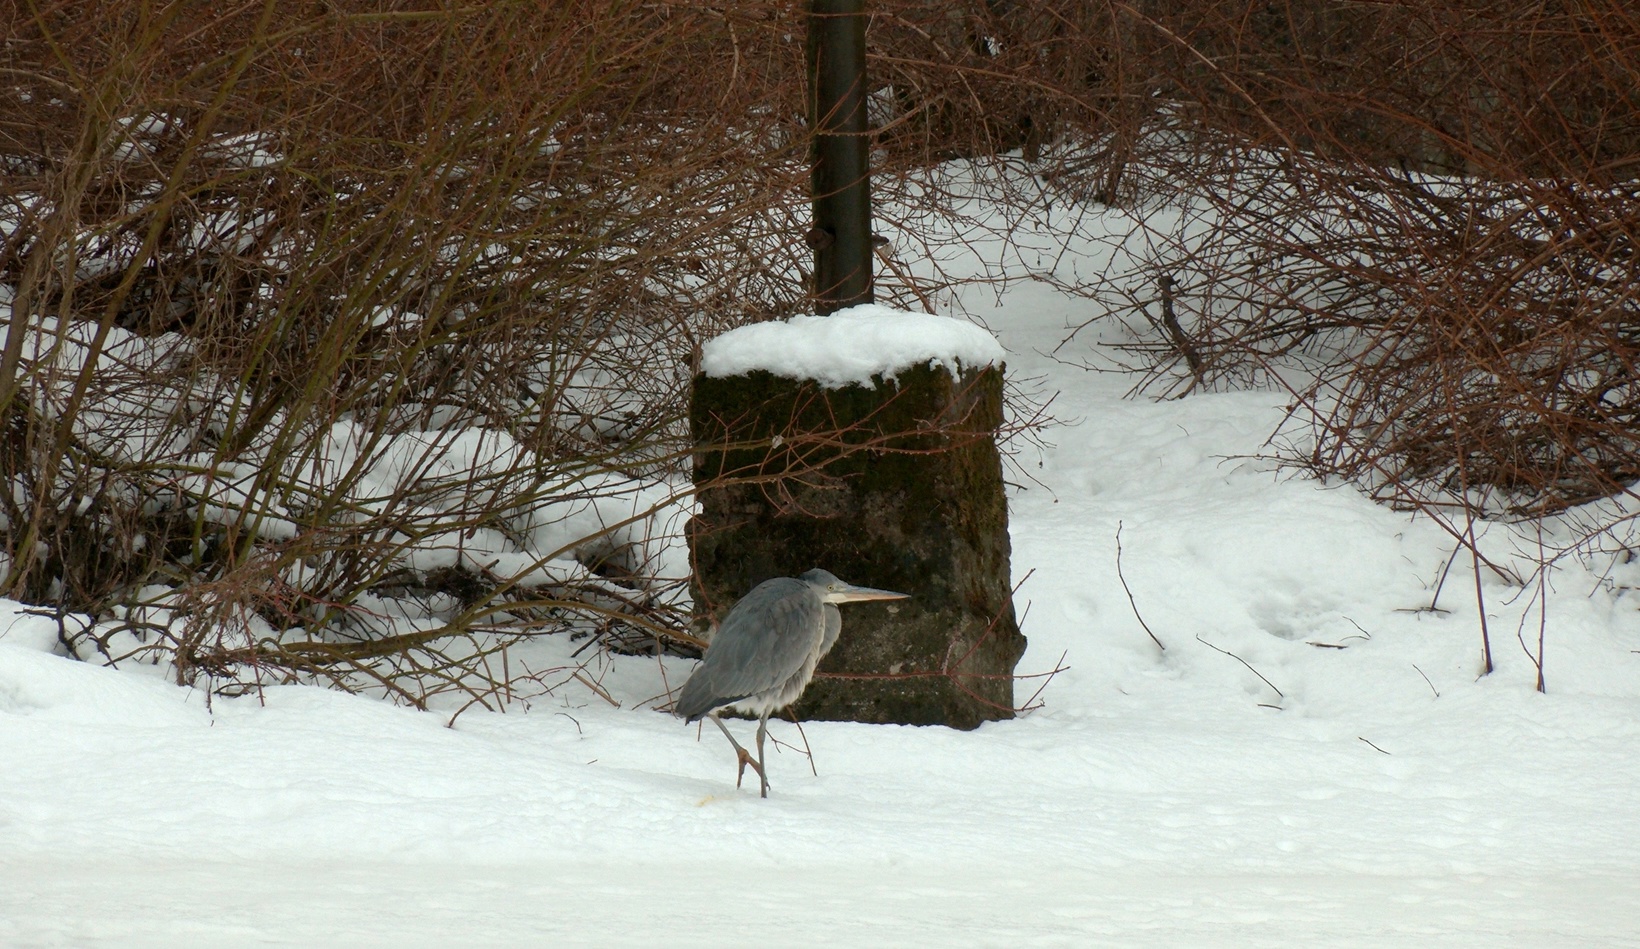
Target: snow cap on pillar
[851,346]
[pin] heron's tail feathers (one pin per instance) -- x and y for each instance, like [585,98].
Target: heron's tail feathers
[697,698]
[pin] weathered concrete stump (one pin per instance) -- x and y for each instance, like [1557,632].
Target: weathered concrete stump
[896,485]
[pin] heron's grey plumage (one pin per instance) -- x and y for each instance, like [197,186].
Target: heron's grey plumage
[765,640]
[765,651]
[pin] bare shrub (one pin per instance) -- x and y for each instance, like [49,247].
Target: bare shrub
[330,321]
[1418,216]
[347,340]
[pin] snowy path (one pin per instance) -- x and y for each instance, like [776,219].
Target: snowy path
[322,820]
[363,904]
[1384,797]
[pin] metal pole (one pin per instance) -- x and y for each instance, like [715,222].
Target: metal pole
[840,184]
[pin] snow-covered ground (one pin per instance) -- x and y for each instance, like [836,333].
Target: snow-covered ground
[1363,787]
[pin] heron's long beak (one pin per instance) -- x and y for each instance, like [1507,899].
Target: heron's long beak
[854,594]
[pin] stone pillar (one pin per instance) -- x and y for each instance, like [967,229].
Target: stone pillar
[896,485]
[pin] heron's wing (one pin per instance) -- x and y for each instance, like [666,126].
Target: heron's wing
[766,638]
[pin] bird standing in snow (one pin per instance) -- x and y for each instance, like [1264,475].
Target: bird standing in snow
[765,652]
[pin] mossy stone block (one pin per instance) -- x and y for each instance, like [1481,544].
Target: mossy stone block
[895,485]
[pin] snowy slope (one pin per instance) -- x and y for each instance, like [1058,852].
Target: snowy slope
[1384,796]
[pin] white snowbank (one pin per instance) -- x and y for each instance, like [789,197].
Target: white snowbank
[850,346]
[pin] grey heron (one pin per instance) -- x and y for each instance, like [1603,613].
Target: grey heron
[765,651]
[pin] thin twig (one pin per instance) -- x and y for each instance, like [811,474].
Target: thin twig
[1426,679]
[1244,662]
[1440,581]
[596,688]
[808,752]
[1133,604]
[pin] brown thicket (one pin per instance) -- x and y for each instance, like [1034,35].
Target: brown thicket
[1418,215]
[348,338]
[327,313]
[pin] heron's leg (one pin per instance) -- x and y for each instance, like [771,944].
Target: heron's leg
[740,753]
[762,730]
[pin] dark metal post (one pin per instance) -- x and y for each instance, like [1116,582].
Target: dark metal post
[841,237]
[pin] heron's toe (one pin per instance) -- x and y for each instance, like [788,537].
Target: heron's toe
[745,760]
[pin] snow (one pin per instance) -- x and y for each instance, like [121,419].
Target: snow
[1313,760]
[850,346]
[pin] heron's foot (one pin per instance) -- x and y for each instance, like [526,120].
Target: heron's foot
[746,760]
